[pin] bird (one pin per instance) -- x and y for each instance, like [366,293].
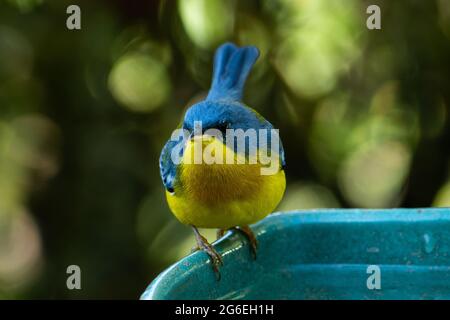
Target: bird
[223,196]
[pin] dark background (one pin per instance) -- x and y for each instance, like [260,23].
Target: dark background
[363,115]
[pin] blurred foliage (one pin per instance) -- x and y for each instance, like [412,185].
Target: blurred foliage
[84,114]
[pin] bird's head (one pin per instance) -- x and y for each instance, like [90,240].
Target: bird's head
[222,115]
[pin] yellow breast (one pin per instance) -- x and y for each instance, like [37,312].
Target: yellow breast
[223,195]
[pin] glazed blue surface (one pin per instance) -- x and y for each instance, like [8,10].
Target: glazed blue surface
[323,254]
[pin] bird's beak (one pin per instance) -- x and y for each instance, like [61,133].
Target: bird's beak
[204,139]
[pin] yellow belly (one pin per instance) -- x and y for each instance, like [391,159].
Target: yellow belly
[225,195]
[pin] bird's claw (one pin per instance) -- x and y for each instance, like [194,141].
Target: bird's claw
[215,257]
[248,233]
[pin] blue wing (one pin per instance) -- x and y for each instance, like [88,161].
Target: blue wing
[282,156]
[167,168]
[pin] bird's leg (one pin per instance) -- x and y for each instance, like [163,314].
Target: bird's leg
[220,233]
[248,233]
[203,244]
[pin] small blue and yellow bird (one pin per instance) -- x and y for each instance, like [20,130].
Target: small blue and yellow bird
[222,195]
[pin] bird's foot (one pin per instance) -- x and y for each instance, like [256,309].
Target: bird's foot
[204,245]
[248,233]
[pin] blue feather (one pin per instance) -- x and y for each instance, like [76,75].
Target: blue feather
[232,66]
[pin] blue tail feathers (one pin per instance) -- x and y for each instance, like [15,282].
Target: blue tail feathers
[231,68]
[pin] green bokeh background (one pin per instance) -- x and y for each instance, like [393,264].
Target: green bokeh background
[363,115]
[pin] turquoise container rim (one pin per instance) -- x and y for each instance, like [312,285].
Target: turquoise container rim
[304,245]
